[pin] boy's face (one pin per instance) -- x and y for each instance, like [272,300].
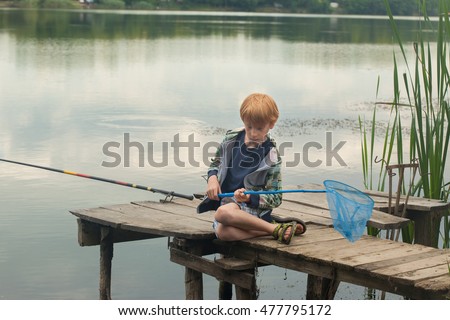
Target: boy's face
[255,133]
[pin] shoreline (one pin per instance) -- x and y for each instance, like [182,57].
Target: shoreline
[93,9]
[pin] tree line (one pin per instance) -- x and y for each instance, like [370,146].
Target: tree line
[370,7]
[366,7]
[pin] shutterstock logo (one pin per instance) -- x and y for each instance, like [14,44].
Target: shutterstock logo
[192,153]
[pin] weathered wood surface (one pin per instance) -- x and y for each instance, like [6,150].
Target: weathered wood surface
[426,213]
[151,218]
[415,271]
[316,204]
[414,203]
[404,269]
[381,199]
[106,255]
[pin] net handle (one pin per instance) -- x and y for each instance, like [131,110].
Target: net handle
[231,194]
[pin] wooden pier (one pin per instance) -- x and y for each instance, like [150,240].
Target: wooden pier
[414,271]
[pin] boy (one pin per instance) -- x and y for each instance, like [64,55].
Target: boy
[248,159]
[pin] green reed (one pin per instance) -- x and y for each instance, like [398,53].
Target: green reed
[424,88]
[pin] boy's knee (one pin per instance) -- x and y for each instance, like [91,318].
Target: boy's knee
[224,214]
[223,233]
[219,232]
[221,214]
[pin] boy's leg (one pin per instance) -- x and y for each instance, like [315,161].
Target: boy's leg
[236,224]
[230,233]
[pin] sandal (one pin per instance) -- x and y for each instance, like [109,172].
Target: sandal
[291,219]
[276,231]
[279,233]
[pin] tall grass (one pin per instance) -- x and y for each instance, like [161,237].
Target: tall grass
[422,91]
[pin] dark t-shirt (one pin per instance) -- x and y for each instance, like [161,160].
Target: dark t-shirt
[244,161]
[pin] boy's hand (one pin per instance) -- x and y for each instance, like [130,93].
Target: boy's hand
[240,196]
[213,188]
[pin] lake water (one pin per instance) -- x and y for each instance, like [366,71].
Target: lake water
[74,83]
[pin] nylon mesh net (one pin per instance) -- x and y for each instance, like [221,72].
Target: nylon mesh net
[349,208]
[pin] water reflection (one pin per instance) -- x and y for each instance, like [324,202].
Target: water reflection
[73,81]
[42,24]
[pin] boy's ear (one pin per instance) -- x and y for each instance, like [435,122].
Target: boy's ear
[272,125]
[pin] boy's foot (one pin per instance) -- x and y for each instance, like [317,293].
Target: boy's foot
[285,232]
[300,229]
[301,225]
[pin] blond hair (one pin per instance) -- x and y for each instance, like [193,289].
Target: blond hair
[259,108]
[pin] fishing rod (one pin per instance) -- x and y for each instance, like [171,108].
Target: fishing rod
[126,184]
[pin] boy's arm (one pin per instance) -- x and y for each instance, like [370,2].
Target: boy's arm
[213,188]
[215,162]
[274,182]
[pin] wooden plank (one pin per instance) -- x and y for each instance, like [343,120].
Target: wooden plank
[89,234]
[438,286]
[304,208]
[241,279]
[442,259]
[156,214]
[111,219]
[268,257]
[315,235]
[188,203]
[414,203]
[231,263]
[147,220]
[373,266]
[308,219]
[324,247]
[312,235]
[314,200]
[177,209]
[336,251]
[386,221]
[370,257]
[421,274]
[317,203]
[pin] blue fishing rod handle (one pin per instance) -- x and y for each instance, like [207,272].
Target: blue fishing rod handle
[231,194]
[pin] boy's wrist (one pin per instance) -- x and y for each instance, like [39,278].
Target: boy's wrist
[212,176]
[253,201]
[212,173]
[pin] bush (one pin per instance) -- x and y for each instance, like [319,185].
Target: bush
[143,5]
[110,4]
[58,4]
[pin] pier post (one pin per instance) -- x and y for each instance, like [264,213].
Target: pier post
[426,226]
[106,255]
[225,290]
[194,284]
[193,279]
[320,288]
[247,294]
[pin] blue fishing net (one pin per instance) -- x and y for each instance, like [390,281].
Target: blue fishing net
[350,209]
